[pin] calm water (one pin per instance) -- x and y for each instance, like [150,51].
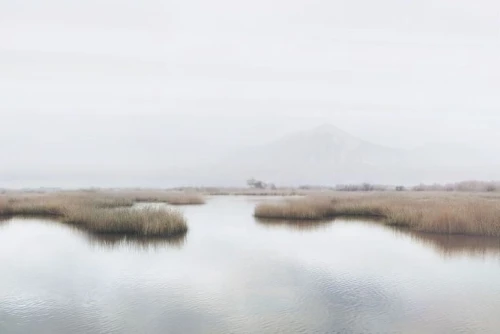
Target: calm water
[233,274]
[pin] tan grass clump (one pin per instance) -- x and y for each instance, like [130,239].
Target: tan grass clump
[30,206]
[97,212]
[184,199]
[467,214]
[141,222]
[296,209]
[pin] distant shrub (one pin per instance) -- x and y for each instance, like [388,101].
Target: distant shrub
[256,184]
[360,187]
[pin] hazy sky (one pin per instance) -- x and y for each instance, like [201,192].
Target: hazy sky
[106,83]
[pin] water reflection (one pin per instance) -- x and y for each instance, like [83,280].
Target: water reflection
[455,245]
[295,225]
[111,241]
[108,241]
[446,245]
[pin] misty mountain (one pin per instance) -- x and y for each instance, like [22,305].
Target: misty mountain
[322,145]
[324,155]
[327,155]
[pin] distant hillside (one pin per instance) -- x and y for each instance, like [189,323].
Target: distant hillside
[324,156]
[327,155]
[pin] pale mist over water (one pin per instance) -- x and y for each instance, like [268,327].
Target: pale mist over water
[170,93]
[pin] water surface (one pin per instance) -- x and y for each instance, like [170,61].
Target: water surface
[233,274]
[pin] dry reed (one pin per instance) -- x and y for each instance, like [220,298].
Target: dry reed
[158,196]
[143,222]
[97,212]
[467,214]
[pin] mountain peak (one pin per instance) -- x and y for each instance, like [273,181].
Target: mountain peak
[326,127]
[329,130]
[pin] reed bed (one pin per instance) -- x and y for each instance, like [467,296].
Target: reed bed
[97,213]
[56,204]
[295,225]
[144,222]
[467,214]
[158,196]
[184,199]
[232,191]
[296,209]
[30,206]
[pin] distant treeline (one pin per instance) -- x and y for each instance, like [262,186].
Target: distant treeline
[364,187]
[262,187]
[472,186]
[477,186]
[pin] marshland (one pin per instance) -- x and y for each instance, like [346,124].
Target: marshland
[105,212]
[231,260]
[75,257]
[110,211]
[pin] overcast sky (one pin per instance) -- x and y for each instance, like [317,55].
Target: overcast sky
[103,83]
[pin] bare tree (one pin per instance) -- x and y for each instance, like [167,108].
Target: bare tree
[256,183]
